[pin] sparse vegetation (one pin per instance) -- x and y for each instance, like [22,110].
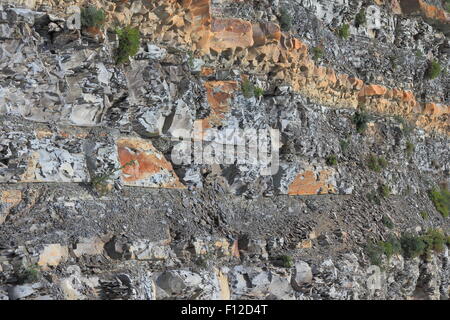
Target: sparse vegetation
[447,5]
[389,248]
[409,148]
[434,70]
[317,53]
[435,240]
[249,90]
[376,163]
[409,245]
[332,160]
[360,18]
[286,261]
[29,275]
[441,200]
[412,246]
[387,222]
[344,145]
[384,190]
[344,31]
[285,20]
[92,17]
[406,126]
[424,215]
[360,119]
[258,92]
[100,182]
[129,41]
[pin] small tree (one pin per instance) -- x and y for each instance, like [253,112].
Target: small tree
[92,17]
[344,31]
[129,41]
[360,18]
[434,70]
[412,246]
[285,20]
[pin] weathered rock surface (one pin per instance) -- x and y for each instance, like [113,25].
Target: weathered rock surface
[213,76]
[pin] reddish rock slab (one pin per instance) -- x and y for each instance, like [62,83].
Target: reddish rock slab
[311,183]
[149,167]
[230,34]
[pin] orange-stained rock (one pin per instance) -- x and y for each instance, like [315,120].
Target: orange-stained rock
[423,8]
[149,167]
[219,94]
[53,255]
[8,200]
[331,76]
[373,90]
[11,197]
[357,84]
[408,96]
[269,51]
[230,34]
[264,32]
[310,183]
[320,72]
[397,93]
[395,7]
[199,19]
[207,71]
[435,110]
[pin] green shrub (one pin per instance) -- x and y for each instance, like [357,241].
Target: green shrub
[344,145]
[384,190]
[344,31]
[412,246]
[92,17]
[441,200]
[424,215]
[285,20]
[409,148]
[360,18]
[447,5]
[382,162]
[435,240]
[286,261]
[29,275]
[389,248]
[373,163]
[376,163]
[360,119]
[247,88]
[375,253]
[317,53]
[387,222]
[129,41]
[331,160]
[434,70]
[258,92]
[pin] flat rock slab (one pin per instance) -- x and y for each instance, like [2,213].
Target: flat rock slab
[145,166]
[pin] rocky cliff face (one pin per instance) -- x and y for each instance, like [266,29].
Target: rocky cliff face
[96,204]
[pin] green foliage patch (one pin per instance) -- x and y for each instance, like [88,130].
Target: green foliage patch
[92,17]
[129,42]
[441,200]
